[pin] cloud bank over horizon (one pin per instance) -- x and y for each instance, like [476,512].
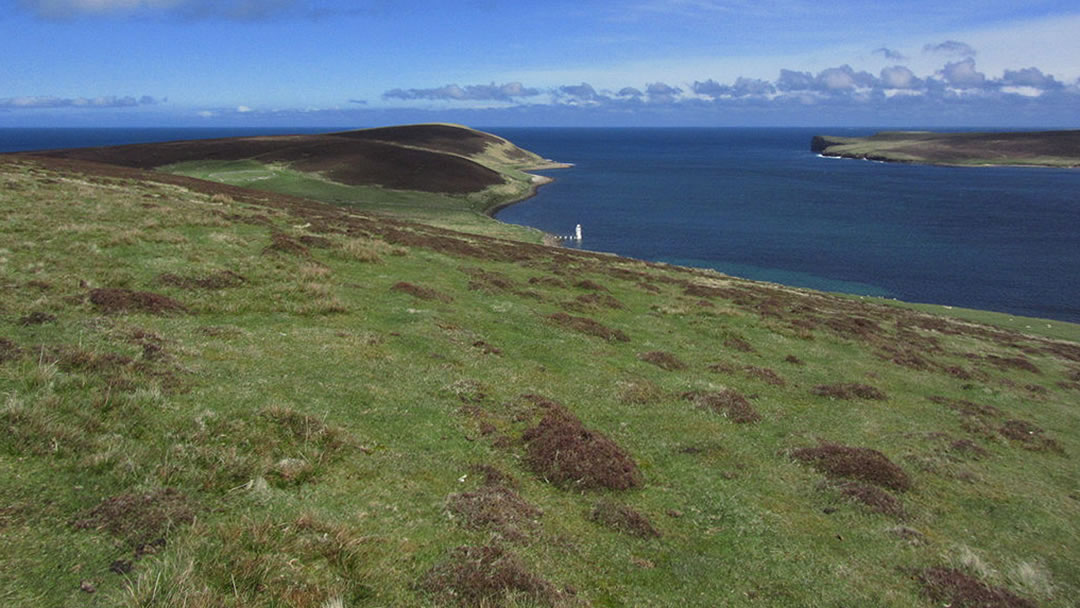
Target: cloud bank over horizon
[690,62]
[957,83]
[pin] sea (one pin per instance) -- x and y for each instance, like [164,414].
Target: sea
[757,203]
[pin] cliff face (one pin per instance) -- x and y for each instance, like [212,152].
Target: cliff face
[820,142]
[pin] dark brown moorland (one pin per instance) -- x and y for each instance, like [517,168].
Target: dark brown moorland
[427,158]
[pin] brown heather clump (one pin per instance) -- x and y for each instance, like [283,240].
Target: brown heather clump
[283,243]
[951,587]
[623,518]
[487,576]
[115,301]
[36,318]
[849,390]
[562,451]
[765,374]
[863,464]
[494,507]
[419,291]
[875,498]
[590,285]
[727,402]
[139,518]
[9,351]
[663,360]
[588,326]
[1030,436]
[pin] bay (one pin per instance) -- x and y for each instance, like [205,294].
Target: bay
[757,203]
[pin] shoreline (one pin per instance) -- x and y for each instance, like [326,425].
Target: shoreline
[535,182]
[928,163]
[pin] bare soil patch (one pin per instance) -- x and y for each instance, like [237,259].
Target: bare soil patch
[849,390]
[728,403]
[623,518]
[862,464]
[139,518]
[955,588]
[588,326]
[562,451]
[419,291]
[486,576]
[119,301]
[664,360]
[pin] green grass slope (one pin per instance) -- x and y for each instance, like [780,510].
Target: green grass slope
[1038,148]
[214,396]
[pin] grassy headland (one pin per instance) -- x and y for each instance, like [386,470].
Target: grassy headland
[217,396]
[1038,149]
[440,174]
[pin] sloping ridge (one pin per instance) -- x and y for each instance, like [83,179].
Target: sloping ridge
[391,158]
[452,139]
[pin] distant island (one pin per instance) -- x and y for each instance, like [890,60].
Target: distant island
[1032,149]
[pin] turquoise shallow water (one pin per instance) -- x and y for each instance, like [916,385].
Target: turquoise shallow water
[757,203]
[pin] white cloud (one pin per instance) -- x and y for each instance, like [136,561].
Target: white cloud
[962,75]
[899,77]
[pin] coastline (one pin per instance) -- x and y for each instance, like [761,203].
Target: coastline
[1041,149]
[929,163]
[535,182]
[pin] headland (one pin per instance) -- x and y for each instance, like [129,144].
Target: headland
[1060,149]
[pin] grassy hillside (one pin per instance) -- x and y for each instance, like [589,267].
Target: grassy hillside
[1040,148]
[447,175]
[213,396]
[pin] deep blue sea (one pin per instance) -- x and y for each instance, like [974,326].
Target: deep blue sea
[757,203]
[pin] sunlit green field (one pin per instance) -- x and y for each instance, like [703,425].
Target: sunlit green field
[217,400]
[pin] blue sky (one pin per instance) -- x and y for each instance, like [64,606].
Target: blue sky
[559,62]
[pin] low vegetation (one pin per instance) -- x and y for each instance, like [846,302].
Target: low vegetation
[215,396]
[1039,149]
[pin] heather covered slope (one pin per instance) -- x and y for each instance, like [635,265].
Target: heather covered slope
[1039,148]
[437,173]
[217,396]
